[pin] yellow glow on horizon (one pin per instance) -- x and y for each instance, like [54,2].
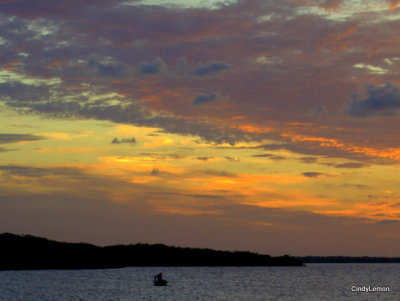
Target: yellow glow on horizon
[66,149]
[60,136]
[171,163]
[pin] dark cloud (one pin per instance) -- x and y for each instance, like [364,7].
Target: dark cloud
[262,156]
[23,92]
[204,158]
[350,165]
[218,173]
[381,100]
[25,170]
[231,159]
[203,99]
[32,171]
[204,196]
[308,159]
[151,68]
[124,140]
[212,68]
[387,221]
[313,174]
[137,113]
[274,146]
[277,158]
[162,156]
[33,9]
[330,4]
[111,70]
[270,156]
[13,138]
[358,186]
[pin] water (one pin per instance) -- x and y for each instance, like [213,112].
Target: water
[313,282]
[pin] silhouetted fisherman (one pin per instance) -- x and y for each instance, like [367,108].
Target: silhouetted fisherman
[158,277]
[159,281]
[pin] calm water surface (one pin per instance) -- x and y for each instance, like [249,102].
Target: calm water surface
[313,282]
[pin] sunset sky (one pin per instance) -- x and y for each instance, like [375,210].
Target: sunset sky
[261,125]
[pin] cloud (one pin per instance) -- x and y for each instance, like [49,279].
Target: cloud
[124,140]
[217,173]
[270,156]
[33,171]
[381,101]
[151,68]
[347,165]
[387,221]
[23,92]
[312,174]
[203,99]
[204,196]
[357,186]
[308,159]
[393,4]
[14,138]
[231,159]
[107,69]
[137,113]
[351,165]
[370,68]
[25,170]
[212,68]
[277,158]
[274,146]
[204,158]
[181,4]
[331,4]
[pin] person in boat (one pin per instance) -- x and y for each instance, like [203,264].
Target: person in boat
[158,277]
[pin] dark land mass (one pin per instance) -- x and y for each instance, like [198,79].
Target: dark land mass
[348,259]
[26,252]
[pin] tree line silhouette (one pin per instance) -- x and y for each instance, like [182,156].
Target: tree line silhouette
[27,252]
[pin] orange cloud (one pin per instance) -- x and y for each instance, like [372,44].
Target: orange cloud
[331,4]
[296,200]
[164,207]
[254,129]
[238,117]
[342,40]
[374,211]
[388,153]
[10,66]
[393,4]
[72,150]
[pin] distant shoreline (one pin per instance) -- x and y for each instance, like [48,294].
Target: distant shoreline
[347,259]
[27,252]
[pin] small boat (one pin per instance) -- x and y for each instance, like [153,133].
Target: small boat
[161,282]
